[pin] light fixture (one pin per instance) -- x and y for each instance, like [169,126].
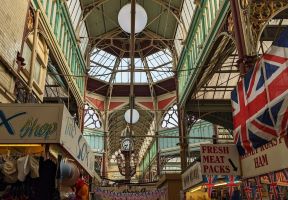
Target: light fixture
[135,116]
[124,18]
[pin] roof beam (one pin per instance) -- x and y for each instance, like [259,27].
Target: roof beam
[175,12]
[209,106]
[87,10]
[168,6]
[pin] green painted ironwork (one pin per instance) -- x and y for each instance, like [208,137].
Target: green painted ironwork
[204,27]
[200,129]
[62,28]
[152,153]
[94,138]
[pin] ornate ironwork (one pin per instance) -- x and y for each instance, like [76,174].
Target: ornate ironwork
[23,95]
[91,117]
[127,163]
[164,160]
[98,164]
[257,13]
[170,117]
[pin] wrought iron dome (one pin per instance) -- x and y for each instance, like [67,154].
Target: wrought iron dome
[157,47]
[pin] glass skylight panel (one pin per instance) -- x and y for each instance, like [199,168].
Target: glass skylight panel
[103,63]
[160,65]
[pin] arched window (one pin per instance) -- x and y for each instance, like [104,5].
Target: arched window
[91,117]
[170,119]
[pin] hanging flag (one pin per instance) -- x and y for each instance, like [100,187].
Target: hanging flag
[260,100]
[209,181]
[285,172]
[247,189]
[231,184]
[258,188]
[273,185]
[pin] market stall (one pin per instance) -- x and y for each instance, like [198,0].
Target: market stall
[42,152]
[265,173]
[198,186]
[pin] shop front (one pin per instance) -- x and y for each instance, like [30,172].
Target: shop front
[43,154]
[197,186]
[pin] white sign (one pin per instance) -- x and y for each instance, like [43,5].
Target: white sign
[192,176]
[74,142]
[219,159]
[44,123]
[267,158]
[30,123]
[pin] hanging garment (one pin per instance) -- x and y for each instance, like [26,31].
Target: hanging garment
[47,175]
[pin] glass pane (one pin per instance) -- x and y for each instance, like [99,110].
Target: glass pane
[27,52]
[37,71]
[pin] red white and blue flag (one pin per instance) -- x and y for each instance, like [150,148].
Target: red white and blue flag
[209,182]
[260,99]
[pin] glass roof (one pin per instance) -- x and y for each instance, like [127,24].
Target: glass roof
[103,65]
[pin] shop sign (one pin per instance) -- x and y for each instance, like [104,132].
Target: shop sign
[219,159]
[192,176]
[44,123]
[267,158]
[30,123]
[74,142]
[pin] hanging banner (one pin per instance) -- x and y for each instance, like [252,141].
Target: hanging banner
[219,159]
[192,176]
[268,158]
[44,123]
[151,195]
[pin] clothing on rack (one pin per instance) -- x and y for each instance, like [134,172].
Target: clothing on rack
[47,173]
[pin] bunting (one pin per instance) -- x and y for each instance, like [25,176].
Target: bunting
[273,185]
[209,182]
[231,184]
[258,188]
[247,189]
[151,195]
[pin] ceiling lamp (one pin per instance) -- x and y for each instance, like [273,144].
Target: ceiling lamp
[124,18]
[131,119]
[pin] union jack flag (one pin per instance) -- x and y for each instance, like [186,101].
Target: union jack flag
[273,185]
[209,181]
[258,188]
[231,184]
[247,189]
[260,99]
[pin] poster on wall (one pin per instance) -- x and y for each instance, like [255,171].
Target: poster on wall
[219,159]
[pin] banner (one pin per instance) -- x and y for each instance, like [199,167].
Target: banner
[270,157]
[151,195]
